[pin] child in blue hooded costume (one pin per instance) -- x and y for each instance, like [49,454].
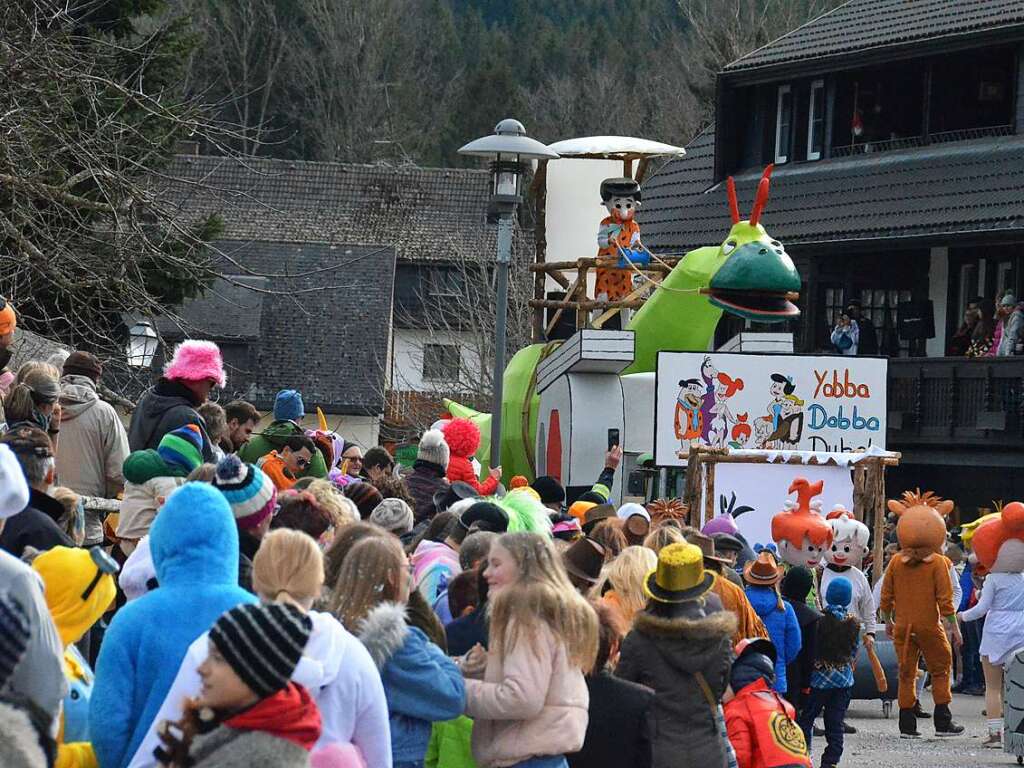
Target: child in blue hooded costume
[194,544]
[762,577]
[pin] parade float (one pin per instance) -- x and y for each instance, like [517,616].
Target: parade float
[598,386]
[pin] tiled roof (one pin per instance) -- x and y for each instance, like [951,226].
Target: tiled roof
[228,309]
[862,25]
[425,213]
[937,190]
[319,322]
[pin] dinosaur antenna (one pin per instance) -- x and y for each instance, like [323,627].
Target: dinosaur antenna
[734,206]
[762,195]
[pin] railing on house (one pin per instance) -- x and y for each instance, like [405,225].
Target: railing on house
[956,402]
[906,142]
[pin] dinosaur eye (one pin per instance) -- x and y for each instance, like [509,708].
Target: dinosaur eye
[729,247]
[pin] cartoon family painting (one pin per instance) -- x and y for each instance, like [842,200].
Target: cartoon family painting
[703,415]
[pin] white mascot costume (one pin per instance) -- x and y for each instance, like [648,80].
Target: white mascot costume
[843,558]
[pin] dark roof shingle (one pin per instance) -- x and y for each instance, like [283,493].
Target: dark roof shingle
[319,320]
[862,25]
[931,191]
[424,213]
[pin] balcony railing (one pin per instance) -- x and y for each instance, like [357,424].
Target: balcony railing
[956,402]
[906,142]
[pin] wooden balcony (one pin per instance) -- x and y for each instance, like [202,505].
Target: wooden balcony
[955,402]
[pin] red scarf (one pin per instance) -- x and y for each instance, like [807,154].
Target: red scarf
[288,714]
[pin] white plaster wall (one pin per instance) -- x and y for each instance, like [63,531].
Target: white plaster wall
[574,209]
[407,371]
[938,286]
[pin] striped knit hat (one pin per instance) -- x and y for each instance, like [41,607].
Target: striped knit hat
[247,488]
[183,447]
[14,635]
[262,643]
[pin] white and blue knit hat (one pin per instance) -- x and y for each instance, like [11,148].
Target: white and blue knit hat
[247,488]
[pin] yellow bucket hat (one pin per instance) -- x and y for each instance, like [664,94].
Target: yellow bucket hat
[680,575]
[78,590]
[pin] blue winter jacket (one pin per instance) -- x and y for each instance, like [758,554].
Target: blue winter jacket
[422,685]
[783,628]
[194,544]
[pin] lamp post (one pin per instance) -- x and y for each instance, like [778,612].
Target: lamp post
[142,344]
[507,149]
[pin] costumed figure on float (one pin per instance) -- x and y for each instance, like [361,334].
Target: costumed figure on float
[998,545]
[800,532]
[619,238]
[917,596]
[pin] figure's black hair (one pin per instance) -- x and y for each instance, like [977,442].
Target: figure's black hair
[790,386]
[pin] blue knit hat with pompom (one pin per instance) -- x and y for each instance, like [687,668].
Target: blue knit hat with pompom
[247,488]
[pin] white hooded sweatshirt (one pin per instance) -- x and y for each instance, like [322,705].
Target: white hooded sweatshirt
[337,671]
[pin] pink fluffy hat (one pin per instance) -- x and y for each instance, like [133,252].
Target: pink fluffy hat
[196,361]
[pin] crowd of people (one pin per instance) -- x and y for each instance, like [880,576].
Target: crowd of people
[275,596]
[988,329]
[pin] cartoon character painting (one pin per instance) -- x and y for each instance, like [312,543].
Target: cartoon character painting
[689,416]
[721,415]
[799,531]
[783,425]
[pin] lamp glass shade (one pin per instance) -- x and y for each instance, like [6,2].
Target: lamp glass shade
[142,344]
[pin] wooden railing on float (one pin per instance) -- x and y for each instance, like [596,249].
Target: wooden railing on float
[572,277]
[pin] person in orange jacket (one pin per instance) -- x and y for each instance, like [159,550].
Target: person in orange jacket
[463,438]
[761,725]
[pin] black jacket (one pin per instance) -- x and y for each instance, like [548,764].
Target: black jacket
[619,727]
[665,654]
[163,409]
[248,546]
[35,526]
[798,673]
[426,479]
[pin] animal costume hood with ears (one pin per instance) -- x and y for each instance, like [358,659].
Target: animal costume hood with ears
[921,525]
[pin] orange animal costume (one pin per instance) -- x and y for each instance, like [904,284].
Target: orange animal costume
[618,230]
[916,595]
[463,438]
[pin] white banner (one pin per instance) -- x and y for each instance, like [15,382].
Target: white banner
[757,492]
[780,402]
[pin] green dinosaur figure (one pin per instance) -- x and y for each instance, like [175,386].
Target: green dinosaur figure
[748,274]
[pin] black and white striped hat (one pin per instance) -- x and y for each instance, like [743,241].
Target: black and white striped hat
[262,643]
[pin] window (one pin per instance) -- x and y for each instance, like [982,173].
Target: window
[816,121]
[440,362]
[783,124]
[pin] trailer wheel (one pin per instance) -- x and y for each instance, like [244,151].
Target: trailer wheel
[1020,760]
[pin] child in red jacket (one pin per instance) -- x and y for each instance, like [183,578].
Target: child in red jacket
[761,724]
[463,438]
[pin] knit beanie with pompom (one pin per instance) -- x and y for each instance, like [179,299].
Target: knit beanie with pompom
[247,488]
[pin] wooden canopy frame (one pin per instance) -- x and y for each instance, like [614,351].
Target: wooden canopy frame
[868,486]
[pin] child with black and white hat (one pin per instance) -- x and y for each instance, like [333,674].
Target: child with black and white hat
[248,711]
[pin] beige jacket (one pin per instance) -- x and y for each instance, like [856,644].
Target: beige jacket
[531,703]
[138,509]
[93,443]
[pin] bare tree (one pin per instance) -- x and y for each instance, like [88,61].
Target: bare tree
[462,315]
[243,57]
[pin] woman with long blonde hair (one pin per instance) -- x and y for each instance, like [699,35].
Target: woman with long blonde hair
[335,667]
[422,684]
[622,584]
[530,708]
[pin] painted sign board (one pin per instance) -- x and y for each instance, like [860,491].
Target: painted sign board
[776,402]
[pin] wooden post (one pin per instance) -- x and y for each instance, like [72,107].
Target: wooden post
[876,483]
[709,493]
[691,490]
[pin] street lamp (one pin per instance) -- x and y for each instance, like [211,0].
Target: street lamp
[142,344]
[507,148]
